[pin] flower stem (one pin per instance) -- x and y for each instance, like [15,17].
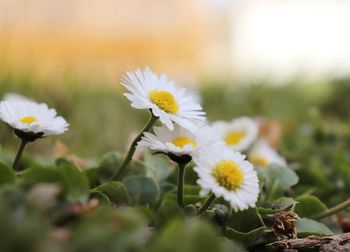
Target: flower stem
[180,185]
[207,204]
[332,210]
[132,149]
[19,155]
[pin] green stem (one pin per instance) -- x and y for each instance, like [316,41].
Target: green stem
[19,155]
[207,204]
[180,185]
[332,210]
[132,149]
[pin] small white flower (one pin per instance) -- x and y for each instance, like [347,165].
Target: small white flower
[31,117]
[166,101]
[239,134]
[15,97]
[180,141]
[227,174]
[262,154]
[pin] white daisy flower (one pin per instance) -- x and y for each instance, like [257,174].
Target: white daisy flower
[227,174]
[31,117]
[166,101]
[180,141]
[239,134]
[262,155]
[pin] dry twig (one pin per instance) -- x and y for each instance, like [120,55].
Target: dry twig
[311,241]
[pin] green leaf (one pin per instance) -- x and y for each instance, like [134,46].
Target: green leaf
[166,187]
[137,168]
[159,166]
[278,179]
[7,175]
[245,226]
[181,236]
[247,238]
[42,175]
[283,202]
[191,190]
[306,227]
[265,211]
[91,174]
[102,198]
[167,211]
[143,190]
[309,205]
[110,163]
[108,229]
[245,221]
[76,184]
[115,191]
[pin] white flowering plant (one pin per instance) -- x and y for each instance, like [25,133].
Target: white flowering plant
[185,183]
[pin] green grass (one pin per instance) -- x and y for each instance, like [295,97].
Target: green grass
[101,118]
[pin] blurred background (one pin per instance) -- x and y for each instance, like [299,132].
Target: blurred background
[282,59]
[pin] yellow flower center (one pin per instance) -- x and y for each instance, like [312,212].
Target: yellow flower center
[228,174]
[234,138]
[182,141]
[164,100]
[259,160]
[28,119]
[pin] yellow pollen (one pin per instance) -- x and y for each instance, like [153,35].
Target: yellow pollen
[234,138]
[182,141]
[28,119]
[259,160]
[164,100]
[228,174]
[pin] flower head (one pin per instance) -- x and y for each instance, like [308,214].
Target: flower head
[180,141]
[262,155]
[166,101]
[239,134]
[31,117]
[227,174]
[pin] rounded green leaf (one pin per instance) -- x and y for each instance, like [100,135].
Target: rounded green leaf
[159,166]
[246,238]
[278,179]
[115,191]
[306,227]
[245,221]
[309,205]
[109,164]
[102,198]
[76,184]
[42,175]
[143,190]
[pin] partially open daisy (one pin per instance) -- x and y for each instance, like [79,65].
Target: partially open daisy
[227,174]
[262,155]
[180,141]
[166,101]
[239,134]
[31,117]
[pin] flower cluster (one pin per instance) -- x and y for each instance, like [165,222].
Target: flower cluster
[185,136]
[242,134]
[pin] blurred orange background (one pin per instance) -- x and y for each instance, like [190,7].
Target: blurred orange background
[108,37]
[274,40]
